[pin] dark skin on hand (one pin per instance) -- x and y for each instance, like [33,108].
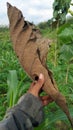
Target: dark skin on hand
[35,90]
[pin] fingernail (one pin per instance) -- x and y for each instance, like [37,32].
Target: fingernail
[41,76]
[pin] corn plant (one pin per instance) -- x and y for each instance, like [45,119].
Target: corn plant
[15,87]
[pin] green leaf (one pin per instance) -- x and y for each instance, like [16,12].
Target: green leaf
[66,53]
[58,116]
[12,82]
[55,14]
[65,34]
[15,87]
[63,17]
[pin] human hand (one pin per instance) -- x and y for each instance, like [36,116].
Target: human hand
[35,90]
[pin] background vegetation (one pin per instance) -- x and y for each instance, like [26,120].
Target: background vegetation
[14,82]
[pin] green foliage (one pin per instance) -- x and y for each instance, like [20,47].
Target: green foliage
[43,25]
[48,33]
[60,61]
[55,115]
[12,88]
[65,37]
[65,33]
[3,105]
[9,61]
[71,94]
[15,87]
[60,10]
[7,56]
[19,82]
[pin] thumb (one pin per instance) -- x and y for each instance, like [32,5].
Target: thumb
[39,83]
[35,87]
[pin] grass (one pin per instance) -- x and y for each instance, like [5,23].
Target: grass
[9,61]
[48,33]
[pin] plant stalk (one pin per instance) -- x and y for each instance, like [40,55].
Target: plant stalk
[67,73]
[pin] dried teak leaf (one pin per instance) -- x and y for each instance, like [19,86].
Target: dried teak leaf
[31,50]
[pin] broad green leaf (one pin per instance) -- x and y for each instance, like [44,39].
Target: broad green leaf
[65,34]
[66,53]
